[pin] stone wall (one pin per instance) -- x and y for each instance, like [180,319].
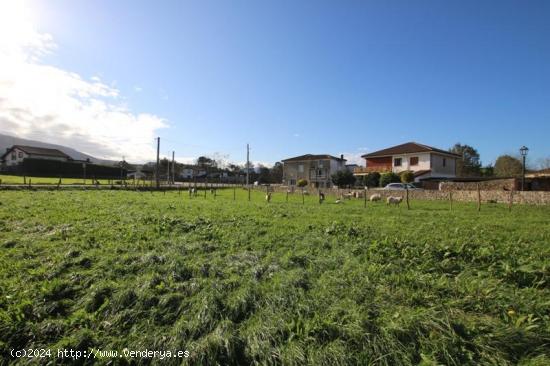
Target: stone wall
[501,196]
[487,185]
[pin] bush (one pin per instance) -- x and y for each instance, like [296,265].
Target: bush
[407,176]
[372,179]
[302,183]
[343,178]
[388,178]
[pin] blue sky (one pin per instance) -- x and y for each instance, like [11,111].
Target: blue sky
[294,77]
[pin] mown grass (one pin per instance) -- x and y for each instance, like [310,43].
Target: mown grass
[238,282]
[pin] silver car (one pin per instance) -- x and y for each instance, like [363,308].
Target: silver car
[400,187]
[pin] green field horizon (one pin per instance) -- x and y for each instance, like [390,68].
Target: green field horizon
[239,283]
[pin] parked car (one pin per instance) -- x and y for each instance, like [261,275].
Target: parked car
[400,186]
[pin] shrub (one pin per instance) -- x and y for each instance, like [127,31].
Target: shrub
[343,178]
[302,183]
[388,178]
[407,176]
[372,179]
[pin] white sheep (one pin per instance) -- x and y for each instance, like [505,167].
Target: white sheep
[375,197]
[394,200]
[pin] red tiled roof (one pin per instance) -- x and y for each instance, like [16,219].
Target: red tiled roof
[312,157]
[407,148]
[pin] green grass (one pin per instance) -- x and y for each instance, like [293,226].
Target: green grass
[281,283]
[16,179]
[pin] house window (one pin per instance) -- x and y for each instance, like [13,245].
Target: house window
[13,156]
[20,154]
[301,168]
[444,162]
[397,162]
[414,160]
[293,182]
[319,172]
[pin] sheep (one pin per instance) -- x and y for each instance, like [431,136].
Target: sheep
[394,200]
[338,201]
[268,197]
[375,197]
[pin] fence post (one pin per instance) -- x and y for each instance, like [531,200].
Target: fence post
[478,198]
[511,200]
[451,200]
[407,195]
[30,183]
[303,200]
[287,195]
[24,180]
[234,192]
[365,198]
[248,192]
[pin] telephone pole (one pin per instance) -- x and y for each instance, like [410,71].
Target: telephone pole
[173,168]
[247,163]
[157,170]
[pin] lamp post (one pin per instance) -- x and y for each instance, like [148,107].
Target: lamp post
[523,151]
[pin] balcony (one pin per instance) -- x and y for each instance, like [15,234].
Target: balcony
[366,170]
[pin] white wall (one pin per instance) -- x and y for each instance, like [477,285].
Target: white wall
[423,162]
[19,156]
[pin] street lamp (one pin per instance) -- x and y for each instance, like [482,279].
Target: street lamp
[523,151]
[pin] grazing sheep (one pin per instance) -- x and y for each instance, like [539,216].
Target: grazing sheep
[338,201]
[268,197]
[348,196]
[375,197]
[394,200]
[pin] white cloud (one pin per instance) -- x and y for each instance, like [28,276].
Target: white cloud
[354,158]
[46,103]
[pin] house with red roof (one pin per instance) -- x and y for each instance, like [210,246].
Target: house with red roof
[423,160]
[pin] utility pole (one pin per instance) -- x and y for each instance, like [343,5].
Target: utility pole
[157,171]
[247,163]
[167,172]
[173,168]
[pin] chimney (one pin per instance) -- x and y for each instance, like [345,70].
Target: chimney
[342,156]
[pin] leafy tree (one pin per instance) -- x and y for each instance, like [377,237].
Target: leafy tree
[508,166]
[469,165]
[302,183]
[372,179]
[206,162]
[343,178]
[488,171]
[407,176]
[276,173]
[264,174]
[388,178]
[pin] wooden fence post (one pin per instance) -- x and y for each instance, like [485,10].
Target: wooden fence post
[287,195]
[249,192]
[478,198]
[234,192]
[511,200]
[30,183]
[365,198]
[24,180]
[407,195]
[451,200]
[303,200]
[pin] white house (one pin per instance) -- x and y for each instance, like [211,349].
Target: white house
[17,153]
[423,160]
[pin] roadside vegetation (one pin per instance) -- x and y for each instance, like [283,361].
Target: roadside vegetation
[238,282]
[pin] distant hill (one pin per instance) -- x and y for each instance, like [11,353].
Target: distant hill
[7,141]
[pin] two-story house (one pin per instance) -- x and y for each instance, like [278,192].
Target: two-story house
[315,169]
[423,160]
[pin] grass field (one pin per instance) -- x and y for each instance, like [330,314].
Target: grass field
[280,283]
[16,179]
